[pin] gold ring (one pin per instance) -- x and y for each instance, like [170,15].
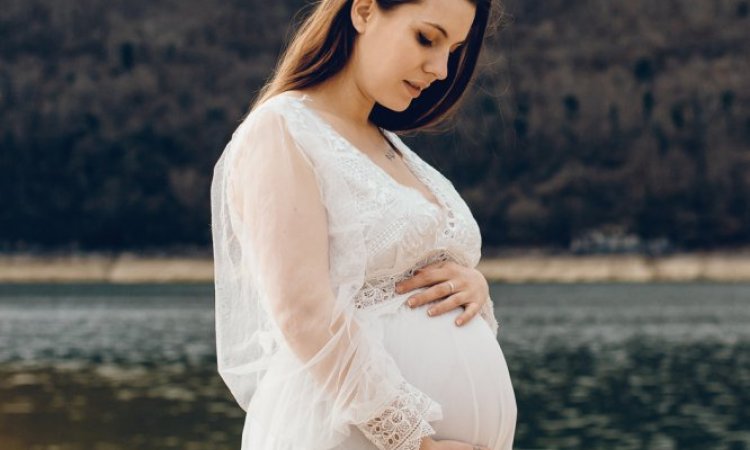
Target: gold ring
[453,288]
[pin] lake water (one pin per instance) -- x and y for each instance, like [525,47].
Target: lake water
[596,366]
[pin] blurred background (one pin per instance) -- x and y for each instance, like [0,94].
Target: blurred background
[604,150]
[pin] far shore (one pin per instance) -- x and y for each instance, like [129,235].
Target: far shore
[512,267]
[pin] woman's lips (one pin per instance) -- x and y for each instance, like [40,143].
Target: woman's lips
[414,91]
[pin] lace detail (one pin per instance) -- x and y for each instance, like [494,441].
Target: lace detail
[408,229]
[460,228]
[402,424]
[451,224]
[488,314]
[380,289]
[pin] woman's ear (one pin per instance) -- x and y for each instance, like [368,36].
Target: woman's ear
[361,12]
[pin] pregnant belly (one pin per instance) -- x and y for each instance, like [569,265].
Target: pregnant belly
[462,368]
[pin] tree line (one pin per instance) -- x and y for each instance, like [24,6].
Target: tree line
[582,115]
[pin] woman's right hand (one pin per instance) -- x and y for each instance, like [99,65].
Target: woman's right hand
[430,444]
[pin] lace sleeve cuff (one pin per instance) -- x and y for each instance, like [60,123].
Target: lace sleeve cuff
[403,422]
[488,313]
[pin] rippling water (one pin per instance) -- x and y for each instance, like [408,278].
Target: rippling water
[615,366]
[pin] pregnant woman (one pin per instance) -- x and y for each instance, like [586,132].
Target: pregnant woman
[326,229]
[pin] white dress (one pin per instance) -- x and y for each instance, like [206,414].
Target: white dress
[454,380]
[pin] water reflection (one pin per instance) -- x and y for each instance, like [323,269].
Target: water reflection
[594,366]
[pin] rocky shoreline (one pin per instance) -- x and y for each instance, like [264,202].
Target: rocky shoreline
[529,267]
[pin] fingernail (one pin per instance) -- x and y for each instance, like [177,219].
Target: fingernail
[430,312]
[411,302]
[458,322]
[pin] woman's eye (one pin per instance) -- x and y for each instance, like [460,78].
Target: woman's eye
[423,40]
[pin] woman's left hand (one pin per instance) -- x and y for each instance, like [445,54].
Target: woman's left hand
[458,285]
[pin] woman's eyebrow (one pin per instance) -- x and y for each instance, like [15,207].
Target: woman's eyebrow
[441,29]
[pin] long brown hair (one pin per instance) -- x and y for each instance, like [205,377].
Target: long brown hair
[324,42]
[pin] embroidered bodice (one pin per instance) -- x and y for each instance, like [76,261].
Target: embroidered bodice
[403,230]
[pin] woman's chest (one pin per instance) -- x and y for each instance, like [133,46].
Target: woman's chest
[401,225]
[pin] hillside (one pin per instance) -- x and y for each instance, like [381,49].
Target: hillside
[583,115]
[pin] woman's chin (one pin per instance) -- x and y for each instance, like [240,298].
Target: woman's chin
[397,104]
[401,105]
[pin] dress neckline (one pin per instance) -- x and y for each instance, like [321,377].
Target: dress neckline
[410,164]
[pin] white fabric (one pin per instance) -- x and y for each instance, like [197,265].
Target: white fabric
[310,236]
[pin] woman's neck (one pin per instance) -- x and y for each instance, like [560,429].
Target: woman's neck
[340,96]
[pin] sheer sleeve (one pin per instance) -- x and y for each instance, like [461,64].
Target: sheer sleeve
[488,314]
[288,261]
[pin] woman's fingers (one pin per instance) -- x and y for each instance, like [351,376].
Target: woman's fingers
[449,304]
[429,275]
[470,310]
[435,292]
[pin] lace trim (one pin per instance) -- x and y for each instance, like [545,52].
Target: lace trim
[402,424]
[460,225]
[488,314]
[459,229]
[377,290]
[449,232]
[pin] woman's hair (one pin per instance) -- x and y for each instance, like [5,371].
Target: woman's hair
[323,44]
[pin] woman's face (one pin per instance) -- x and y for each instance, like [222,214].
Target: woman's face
[402,45]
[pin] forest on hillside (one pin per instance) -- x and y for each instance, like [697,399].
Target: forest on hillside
[582,115]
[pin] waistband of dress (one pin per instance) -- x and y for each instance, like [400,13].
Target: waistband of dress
[378,295]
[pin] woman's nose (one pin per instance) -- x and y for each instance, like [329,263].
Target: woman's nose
[438,65]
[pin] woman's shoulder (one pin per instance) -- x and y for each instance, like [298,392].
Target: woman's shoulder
[281,119]
[272,106]
[274,112]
